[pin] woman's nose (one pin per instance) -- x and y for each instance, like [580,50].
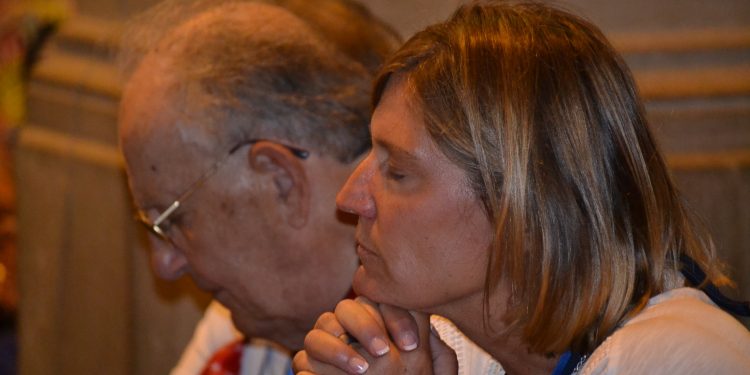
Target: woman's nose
[355,196]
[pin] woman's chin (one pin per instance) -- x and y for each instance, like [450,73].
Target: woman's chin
[366,285]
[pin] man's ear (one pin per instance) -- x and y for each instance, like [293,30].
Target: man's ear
[289,176]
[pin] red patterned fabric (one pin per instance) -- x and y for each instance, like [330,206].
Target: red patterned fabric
[226,361]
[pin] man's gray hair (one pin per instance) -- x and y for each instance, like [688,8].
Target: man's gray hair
[262,71]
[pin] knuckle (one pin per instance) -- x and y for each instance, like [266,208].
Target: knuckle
[312,338]
[343,305]
[325,319]
[300,362]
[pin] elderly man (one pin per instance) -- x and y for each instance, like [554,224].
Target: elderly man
[239,122]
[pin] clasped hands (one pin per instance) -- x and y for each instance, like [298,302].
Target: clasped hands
[361,336]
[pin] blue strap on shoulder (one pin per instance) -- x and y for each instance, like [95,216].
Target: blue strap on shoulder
[695,276]
[562,363]
[567,363]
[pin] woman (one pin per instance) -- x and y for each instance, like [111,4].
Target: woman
[514,188]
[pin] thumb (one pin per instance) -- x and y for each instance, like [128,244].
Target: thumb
[444,361]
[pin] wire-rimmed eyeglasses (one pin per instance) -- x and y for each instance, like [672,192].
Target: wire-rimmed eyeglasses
[158,227]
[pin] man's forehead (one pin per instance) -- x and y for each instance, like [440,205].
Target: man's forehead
[158,171]
[155,107]
[164,144]
[161,141]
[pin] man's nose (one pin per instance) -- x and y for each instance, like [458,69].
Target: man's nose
[167,261]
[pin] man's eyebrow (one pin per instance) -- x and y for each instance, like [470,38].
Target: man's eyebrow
[396,151]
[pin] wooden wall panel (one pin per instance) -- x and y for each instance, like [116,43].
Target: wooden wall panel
[40,247]
[90,303]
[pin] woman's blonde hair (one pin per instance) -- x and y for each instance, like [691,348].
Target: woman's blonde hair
[543,115]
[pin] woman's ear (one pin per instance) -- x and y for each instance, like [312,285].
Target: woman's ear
[289,177]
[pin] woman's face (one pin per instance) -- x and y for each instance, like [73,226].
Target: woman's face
[423,236]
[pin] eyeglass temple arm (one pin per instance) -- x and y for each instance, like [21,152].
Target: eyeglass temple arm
[298,152]
[167,212]
[189,191]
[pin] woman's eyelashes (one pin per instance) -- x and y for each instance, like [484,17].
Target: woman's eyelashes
[392,169]
[393,174]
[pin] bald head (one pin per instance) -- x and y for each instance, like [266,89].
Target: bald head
[253,70]
[235,31]
[267,22]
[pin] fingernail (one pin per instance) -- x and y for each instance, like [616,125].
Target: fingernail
[359,365]
[380,346]
[408,341]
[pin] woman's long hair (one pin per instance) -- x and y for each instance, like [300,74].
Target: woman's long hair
[544,116]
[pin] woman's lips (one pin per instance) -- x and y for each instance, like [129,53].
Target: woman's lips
[364,252]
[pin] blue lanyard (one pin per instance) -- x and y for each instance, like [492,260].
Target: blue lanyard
[695,275]
[567,363]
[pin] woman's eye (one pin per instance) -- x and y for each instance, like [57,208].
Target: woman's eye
[390,172]
[392,175]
